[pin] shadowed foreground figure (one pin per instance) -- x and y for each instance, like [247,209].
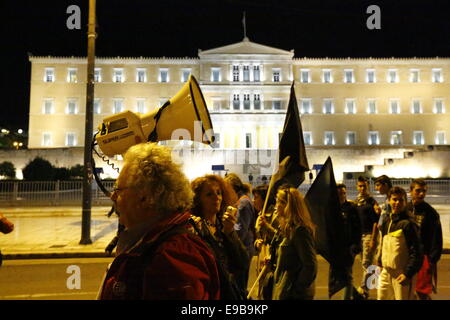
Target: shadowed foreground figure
[158,255]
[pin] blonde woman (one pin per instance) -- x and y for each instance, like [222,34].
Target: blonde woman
[296,264]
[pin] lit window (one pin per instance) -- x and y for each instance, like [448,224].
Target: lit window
[141,75]
[72,106]
[236,73]
[396,138]
[71,139]
[276,105]
[49,75]
[246,102]
[326,76]
[276,75]
[48,106]
[418,137]
[305,76]
[98,74]
[256,74]
[246,73]
[46,139]
[97,106]
[373,138]
[371,76]
[440,137]
[306,107]
[72,75]
[216,143]
[118,75]
[372,106]
[350,139]
[236,102]
[329,138]
[416,107]
[438,106]
[185,73]
[350,106]
[307,138]
[437,75]
[328,106]
[217,104]
[215,75]
[392,76]
[117,105]
[163,75]
[256,102]
[140,106]
[348,76]
[414,75]
[394,106]
[248,140]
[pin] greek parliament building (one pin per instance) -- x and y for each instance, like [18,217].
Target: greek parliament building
[372,115]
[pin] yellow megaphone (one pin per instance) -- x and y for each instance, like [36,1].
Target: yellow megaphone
[186,111]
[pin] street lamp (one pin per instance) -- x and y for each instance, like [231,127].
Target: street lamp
[17,144]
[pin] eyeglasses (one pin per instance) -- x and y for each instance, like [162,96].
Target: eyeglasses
[115,189]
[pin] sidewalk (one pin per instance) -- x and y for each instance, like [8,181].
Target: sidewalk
[55,232]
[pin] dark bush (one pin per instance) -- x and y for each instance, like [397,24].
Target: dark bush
[8,170]
[38,169]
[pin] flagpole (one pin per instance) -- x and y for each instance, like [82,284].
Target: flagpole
[245,27]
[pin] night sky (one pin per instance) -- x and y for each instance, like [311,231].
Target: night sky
[174,28]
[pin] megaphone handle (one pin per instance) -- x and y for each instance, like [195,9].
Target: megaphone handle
[153,136]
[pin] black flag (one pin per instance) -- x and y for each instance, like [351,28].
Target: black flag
[292,169]
[323,202]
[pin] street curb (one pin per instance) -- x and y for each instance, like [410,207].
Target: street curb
[55,255]
[67,255]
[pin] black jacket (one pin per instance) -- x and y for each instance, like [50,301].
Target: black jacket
[352,226]
[430,229]
[410,230]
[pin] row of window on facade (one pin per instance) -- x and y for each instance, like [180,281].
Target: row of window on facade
[254,102]
[246,74]
[371,107]
[373,138]
[392,76]
[118,75]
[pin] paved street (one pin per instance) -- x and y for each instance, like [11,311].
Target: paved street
[55,232]
[46,279]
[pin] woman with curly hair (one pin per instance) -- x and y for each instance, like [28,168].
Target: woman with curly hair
[296,264]
[215,221]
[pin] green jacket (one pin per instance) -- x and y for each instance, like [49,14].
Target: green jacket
[296,267]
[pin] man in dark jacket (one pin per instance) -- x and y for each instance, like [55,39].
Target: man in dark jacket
[352,231]
[158,257]
[401,253]
[368,210]
[429,223]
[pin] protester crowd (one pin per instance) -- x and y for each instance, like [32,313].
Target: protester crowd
[197,240]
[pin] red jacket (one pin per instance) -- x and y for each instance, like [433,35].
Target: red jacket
[181,268]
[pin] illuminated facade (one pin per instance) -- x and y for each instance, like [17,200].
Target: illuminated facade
[373,108]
